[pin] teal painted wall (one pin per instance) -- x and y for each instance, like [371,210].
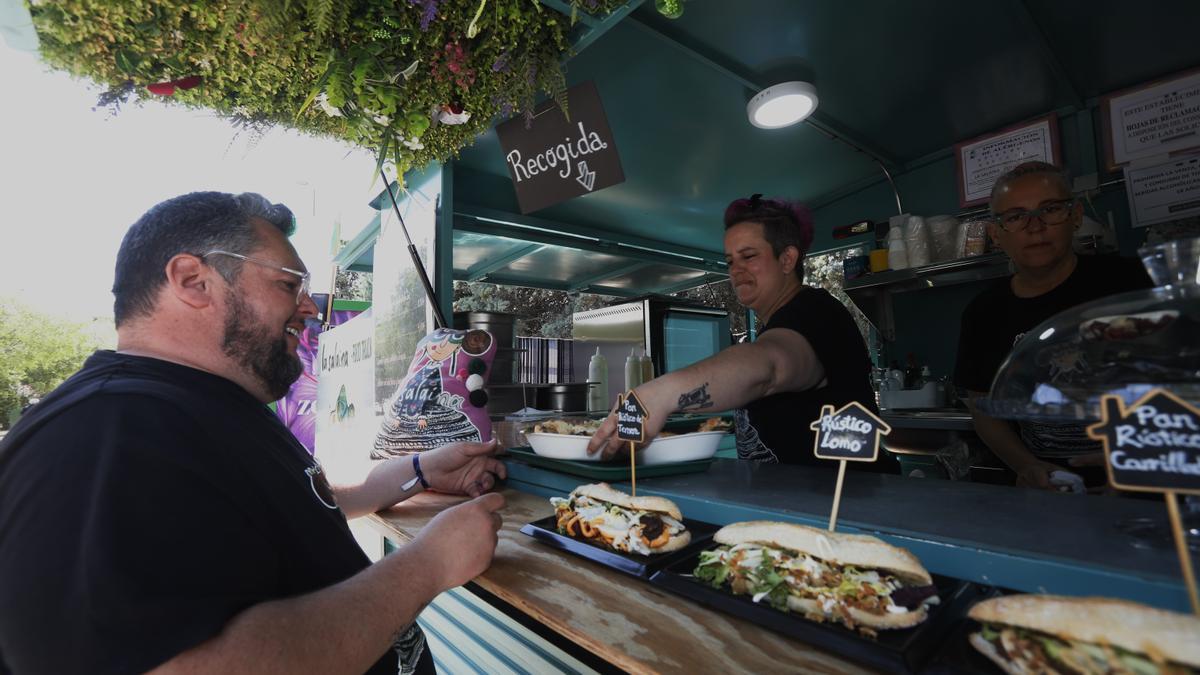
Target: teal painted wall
[927,322]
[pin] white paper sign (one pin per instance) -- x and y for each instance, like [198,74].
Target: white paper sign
[982,162]
[1157,120]
[1160,192]
[346,421]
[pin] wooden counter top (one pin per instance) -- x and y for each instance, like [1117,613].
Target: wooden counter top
[623,620]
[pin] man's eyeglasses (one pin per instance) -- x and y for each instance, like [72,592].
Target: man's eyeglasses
[301,288]
[1054,213]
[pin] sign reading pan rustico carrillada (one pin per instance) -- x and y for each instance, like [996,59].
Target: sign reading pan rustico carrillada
[1153,445]
[558,158]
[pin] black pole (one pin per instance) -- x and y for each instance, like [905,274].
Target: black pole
[438,317]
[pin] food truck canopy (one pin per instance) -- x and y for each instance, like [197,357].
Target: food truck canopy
[899,84]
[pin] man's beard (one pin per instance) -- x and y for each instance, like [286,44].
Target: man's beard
[259,349]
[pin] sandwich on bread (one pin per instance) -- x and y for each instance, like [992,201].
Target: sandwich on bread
[856,580]
[615,520]
[1054,634]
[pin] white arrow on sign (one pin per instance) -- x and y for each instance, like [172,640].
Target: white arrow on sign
[586,178]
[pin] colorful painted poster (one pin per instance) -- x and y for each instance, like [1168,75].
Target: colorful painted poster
[442,399]
[296,409]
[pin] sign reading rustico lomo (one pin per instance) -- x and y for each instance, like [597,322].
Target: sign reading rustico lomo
[852,433]
[558,158]
[1153,445]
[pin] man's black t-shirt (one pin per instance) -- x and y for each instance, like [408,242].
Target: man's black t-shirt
[997,318]
[775,428]
[144,504]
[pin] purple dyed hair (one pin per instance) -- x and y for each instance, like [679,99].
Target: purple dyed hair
[785,223]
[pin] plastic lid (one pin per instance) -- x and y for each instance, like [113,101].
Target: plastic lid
[1124,345]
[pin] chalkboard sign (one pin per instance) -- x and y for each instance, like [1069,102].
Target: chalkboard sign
[557,158]
[852,433]
[631,419]
[1151,446]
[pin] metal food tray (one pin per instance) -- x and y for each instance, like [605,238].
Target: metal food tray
[609,471]
[904,651]
[635,564]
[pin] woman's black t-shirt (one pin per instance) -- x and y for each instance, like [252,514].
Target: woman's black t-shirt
[776,428]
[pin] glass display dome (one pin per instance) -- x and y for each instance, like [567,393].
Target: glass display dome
[1124,344]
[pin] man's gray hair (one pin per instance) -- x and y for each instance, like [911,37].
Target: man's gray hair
[1055,174]
[194,223]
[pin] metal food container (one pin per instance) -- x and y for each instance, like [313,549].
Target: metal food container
[563,396]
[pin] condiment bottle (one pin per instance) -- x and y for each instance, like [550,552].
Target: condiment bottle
[598,376]
[633,369]
[647,367]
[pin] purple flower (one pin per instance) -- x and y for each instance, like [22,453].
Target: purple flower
[430,13]
[501,63]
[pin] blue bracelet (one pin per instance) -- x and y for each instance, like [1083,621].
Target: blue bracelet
[417,469]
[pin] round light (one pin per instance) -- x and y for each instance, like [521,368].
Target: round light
[782,105]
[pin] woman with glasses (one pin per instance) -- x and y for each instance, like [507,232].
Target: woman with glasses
[1034,221]
[809,352]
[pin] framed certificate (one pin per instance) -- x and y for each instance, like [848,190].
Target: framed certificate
[1150,120]
[980,161]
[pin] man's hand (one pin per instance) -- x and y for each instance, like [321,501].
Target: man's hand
[463,468]
[460,541]
[1036,474]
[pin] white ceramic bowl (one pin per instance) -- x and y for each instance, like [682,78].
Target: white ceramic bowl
[561,446]
[681,448]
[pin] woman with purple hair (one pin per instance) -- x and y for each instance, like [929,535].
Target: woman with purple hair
[809,352]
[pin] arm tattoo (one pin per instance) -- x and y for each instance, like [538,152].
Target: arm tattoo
[696,399]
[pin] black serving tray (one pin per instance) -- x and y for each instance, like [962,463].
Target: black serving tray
[612,471]
[635,564]
[957,656]
[903,651]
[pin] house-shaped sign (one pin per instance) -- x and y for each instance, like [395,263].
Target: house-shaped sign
[852,433]
[631,419]
[1151,446]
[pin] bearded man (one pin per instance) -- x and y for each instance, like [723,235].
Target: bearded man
[154,514]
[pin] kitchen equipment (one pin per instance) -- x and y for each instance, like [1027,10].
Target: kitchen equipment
[569,397]
[502,326]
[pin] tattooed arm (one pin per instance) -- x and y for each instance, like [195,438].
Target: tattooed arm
[781,360]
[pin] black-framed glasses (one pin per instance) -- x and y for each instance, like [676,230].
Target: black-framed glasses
[301,289]
[1053,213]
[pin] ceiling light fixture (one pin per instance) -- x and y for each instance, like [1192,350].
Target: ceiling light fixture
[782,105]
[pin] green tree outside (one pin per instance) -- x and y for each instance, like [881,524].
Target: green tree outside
[37,352]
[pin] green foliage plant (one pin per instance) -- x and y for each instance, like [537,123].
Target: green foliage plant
[374,73]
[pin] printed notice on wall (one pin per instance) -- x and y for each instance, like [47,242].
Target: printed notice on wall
[1161,192]
[982,161]
[555,157]
[1157,120]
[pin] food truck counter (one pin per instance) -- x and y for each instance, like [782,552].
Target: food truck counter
[623,620]
[1019,539]
[1027,540]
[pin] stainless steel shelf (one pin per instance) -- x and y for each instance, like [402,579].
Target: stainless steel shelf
[873,293]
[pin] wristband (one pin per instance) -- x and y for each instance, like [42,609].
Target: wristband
[417,469]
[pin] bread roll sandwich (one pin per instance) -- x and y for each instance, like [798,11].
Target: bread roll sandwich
[856,580]
[613,519]
[1054,634]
